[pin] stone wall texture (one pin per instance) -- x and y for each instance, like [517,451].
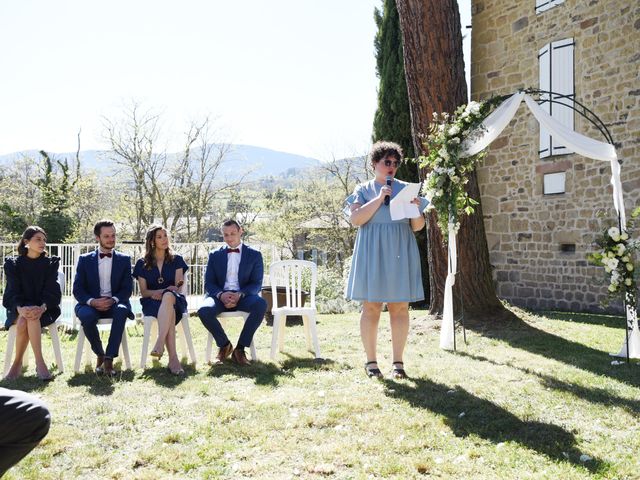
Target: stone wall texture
[525,229]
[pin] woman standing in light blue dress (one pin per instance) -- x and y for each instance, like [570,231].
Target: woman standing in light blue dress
[386,263]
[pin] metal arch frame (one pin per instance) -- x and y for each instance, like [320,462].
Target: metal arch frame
[597,122]
[583,111]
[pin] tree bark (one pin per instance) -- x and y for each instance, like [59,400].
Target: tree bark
[434,70]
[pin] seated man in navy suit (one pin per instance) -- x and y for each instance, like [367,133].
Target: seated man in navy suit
[232,282]
[102,287]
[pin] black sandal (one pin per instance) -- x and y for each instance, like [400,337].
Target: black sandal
[372,372]
[398,372]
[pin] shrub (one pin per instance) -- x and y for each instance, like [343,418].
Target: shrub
[330,292]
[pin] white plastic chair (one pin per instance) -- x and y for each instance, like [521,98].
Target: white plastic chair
[103,325]
[182,330]
[222,319]
[290,273]
[53,332]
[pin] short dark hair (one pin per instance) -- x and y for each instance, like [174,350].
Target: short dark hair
[382,149]
[102,223]
[228,222]
[28,235]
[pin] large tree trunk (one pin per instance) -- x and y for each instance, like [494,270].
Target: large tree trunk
[434,69]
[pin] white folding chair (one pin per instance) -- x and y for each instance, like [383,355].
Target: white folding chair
[222,319]
[290,274]
[183,331]
[53,332]
[104,324]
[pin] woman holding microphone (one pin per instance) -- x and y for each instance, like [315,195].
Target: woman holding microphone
[385,267]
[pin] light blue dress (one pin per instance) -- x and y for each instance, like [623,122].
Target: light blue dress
[386,263]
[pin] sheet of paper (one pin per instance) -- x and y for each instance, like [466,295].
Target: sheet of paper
[401,207]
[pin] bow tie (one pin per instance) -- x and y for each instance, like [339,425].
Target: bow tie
[233,250]
[102,255]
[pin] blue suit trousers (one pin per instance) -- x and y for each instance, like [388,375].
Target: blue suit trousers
[212,307]
[89,317]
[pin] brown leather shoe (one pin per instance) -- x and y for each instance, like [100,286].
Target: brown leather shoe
[99,363]
[239,357]
[223,353]
[107,367]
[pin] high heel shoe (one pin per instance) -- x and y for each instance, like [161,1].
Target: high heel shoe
[156,354]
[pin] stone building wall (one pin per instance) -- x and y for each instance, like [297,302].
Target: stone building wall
[525,229]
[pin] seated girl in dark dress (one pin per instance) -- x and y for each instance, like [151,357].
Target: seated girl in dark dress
[160,275]
[32,297]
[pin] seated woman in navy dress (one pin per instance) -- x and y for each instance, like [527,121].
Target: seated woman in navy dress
[160,275]
[32,297]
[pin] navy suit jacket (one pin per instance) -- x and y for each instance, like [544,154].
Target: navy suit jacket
[86,284]
[250,271]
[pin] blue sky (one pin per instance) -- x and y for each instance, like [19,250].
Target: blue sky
[291,75]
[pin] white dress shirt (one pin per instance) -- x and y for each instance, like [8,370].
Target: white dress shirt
[104,274]
[233,264]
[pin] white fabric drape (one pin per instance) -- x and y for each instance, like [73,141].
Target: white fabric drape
[493,126]
[447,326]
[577,143]
[634,337]
[586,147]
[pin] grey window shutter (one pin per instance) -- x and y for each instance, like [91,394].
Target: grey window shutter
[562,83]
[544,63]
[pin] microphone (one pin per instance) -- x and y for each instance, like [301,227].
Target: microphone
[387,198]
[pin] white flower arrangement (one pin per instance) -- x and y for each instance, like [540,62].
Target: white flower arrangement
[616,255]
[444,185]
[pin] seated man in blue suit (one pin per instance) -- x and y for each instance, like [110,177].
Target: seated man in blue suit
[233,280]
[102,287]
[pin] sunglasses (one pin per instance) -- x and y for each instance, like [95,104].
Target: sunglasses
[395,163]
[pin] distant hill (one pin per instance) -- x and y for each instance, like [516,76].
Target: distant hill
[262,161]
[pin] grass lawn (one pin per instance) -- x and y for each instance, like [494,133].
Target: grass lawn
[534,398]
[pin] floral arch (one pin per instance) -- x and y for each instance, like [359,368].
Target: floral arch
[457,142]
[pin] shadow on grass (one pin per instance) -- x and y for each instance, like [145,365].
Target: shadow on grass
[26,383]
[307,363]
[164,378]
[519,334]
[467,414]
[269,373]
[590,394]
[29,381]
[100,385]
[611,321]
[261,373]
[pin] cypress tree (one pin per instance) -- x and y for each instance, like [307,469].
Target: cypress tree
[392,120]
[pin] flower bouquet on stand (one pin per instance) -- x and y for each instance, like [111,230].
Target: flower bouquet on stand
[617,254]
[449,168]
